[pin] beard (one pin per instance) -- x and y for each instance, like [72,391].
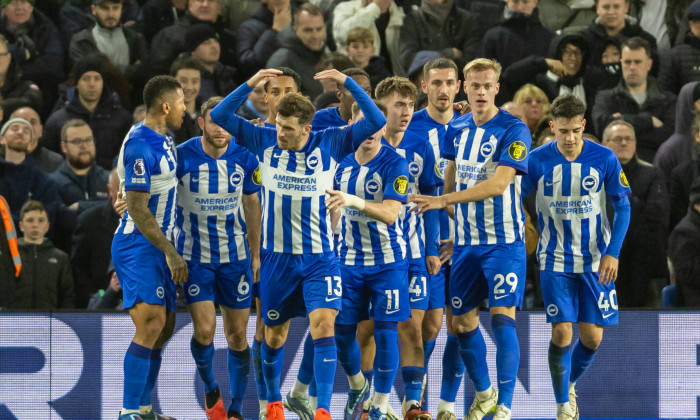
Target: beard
[81,161]
[18,146]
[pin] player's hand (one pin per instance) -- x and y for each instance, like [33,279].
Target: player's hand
[425,203]
[462,107]
[120,204]
[433,264]
[257,121]
[446,249]
[331,74]
[339,199]
[255,267]
[617,115]
[177,265]
[263,76]
[607,271]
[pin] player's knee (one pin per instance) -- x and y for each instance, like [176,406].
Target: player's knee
[592,340]
[561,334]
[236,340]
[323,328]
[204,332]
[409,332]
[465,323]
[431,328]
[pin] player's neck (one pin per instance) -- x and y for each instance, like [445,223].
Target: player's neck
[345,114]
[156,123]
[271,119]
[572,155]
[301,144]
[394,137]
[443,117]
[364,155]
[483,118]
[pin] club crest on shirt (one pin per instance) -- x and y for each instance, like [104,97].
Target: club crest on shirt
[415,168]
[401,185]
[487,149]
[139,167]
[313,160]
[235,179]
[517,150]
[623,179]
[590,183]
[372,186]
[257,179]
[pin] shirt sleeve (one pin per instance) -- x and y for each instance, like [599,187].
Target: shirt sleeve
[252,181]
[430,177]
[515,147]
[528,183]
[139,164]
[447,149]
[616,184]
[396,182]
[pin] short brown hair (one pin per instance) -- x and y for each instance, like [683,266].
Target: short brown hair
[296,105]
[75,122]
[482,64]
[439,63]
[356,108]
[209,104]
[395,84]
[359,34]
[309,8]
[31,205]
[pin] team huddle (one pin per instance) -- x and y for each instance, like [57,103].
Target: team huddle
[427,212]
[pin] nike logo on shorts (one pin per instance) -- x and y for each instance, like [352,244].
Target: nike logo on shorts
[392,311]
[608,315]
[241,299]
[416,299]
[501,297]
[332,299]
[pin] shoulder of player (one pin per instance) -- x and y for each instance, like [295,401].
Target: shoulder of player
[600,150]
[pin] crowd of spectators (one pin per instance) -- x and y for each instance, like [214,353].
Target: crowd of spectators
[79,67]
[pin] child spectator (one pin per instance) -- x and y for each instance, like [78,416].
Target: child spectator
[360,49]
[46,280]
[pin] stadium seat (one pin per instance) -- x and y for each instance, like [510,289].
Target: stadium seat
[668,296]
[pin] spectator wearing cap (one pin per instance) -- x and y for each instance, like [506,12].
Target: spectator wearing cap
[188,72]
[683,175]
[20,179]
[77,15]
[638,100]
[258,36]
[92,243]
[14,91]
[171,41]
[684,251]
[383,18]
[518,35]
[415,70]
[643,254]
[36,44]
[202,42]
[441,26]
[91,100]
[680,66]
[302,46]
[124,47]
[45,159]
[81,183]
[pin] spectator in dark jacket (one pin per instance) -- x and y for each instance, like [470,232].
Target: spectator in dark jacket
[677,149]
[92,244]
[643,254]
[36,44]
[93,101]
[108,298]
[20,180]
[188,72]
[559,15]
[14,91]
[681,64]
[438,25]
[684,252]
[518,35]
[638,100]
[257,37]
[613,22]
[202,42]
[77,15]
[46,280]
[682,177]
[156,15]
[302,47]
[45,159]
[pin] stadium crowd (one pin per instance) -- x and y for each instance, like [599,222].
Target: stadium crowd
[72,74]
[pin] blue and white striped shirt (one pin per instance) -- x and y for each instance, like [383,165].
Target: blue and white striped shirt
[210,221]
[147,163]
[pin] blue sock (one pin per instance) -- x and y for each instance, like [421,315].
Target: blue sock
[204,359]
[348,349]
[306,369]
[238,367]
[452,370]
[386,361]
[428,347]
[272,370]
[368,374]
[137,361]
[325,362]
[560,368]
[153,370]
[581,358]
[472,348]
[412,381]
[257,368]
[507,356]
[313,391]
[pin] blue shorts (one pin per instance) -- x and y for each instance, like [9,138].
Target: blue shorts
[143,273]
[578,297]
[418,284]
[225,284]
[379,292]
[293,284]
[436,283]
[496,272]
[445,271]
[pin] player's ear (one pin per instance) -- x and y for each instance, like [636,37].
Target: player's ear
[551,125]
[498,88]
[200,122]
[307,129]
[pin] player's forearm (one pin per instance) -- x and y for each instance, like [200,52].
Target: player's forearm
[137,206]
[224,114]
[385,212]
[253,216]
[621,221]
[431,221]
[374,119]
[487,189]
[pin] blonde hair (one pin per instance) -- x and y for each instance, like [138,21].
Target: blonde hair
[482,64]
[359,34]
[530,90]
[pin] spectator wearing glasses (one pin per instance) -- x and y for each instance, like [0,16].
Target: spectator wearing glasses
[81,183]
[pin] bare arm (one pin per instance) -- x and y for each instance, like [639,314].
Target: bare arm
[137,206]
[449,185]
[253,216]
